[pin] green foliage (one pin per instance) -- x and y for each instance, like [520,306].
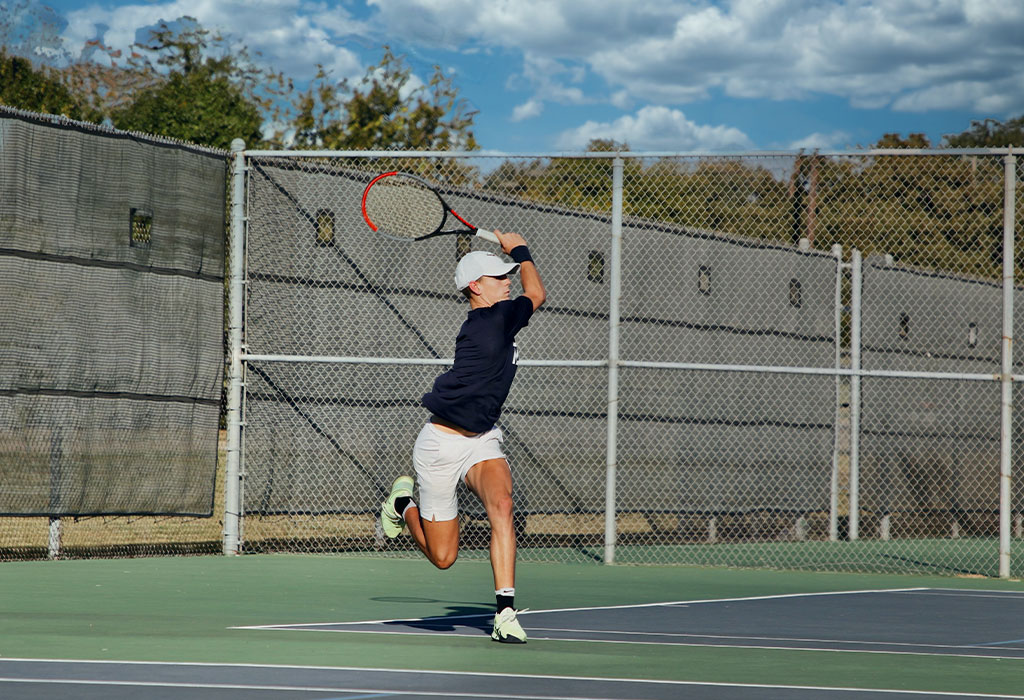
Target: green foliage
[709,194]
[198,106]
[180,48]
[932,212]
[929,211]
[579,183]
[211,94]
[111,83]
[990,133]
[25,87]
[384,110]
[730,196]
[896,141]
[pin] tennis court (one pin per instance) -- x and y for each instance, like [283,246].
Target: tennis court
[791,406]
[288,626]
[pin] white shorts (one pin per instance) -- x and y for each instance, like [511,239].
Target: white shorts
[441,460]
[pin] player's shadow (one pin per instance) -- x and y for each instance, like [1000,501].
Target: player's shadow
[471,616]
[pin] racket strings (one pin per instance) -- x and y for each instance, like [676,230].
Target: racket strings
[404,207]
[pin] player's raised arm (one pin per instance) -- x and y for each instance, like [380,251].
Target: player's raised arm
[533,286]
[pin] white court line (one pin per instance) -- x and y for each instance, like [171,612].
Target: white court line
[709,684]
[370,692]
[197,686]
[760,647]
[901,646]
[996,644]
[483,674]
[703,601]
[967,593]
[915,645]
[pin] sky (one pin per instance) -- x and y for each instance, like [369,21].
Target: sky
[660,75]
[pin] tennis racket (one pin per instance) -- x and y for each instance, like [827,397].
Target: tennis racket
[408,208]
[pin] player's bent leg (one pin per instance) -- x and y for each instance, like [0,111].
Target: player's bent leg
[437,539]
[391,521]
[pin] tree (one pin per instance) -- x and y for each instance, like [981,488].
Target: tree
[211,93]
[25,87]
[33,32]
[111,83]
[933,212]
[385,110]
[579,183]
[896,141]
[927,211]
[199,106]
[989,133]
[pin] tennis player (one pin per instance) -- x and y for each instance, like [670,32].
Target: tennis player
[460,440]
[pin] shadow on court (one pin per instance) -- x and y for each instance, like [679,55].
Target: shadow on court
[915,620]
[459,618]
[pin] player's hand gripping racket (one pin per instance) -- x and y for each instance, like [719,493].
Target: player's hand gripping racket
[406,207]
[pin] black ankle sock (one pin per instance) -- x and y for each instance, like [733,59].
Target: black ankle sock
[505,601]
[401,503]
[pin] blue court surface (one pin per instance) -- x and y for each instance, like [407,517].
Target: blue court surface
[889,621]
[46,680]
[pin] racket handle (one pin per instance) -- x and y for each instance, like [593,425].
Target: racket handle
[487,235]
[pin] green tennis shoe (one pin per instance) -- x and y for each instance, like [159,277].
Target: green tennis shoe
[391,521]
[507,628]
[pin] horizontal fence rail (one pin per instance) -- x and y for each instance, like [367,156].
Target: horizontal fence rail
[695,366]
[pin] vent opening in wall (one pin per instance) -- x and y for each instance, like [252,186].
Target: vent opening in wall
[141,222]
[704,280]
[324,227]
[595,267]
[463,245]
[795,294]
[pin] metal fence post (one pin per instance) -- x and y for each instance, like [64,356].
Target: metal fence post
[54,546]
[1006,431]
[236,295]
[833,501]
[856,273]
[613,363]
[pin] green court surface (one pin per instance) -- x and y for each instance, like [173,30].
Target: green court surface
[186,609]
[944,557]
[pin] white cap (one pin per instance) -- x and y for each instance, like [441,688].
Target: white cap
[479,264]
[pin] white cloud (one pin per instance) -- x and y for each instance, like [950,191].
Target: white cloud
[622,100]
[819,141]
[998,97]
[286,34]
[540,26]
[549,77]
[656,129]
[904,55]
[527,110]
[869,52]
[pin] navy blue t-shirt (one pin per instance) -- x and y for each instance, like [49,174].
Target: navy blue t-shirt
[471,393]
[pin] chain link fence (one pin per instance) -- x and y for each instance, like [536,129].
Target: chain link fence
[802,355]
[111,340]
